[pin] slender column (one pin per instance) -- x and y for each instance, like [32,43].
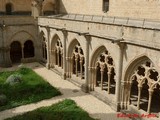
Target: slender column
[81,66]
[76,60]
[95,82]
[62,61]
[93,77]
[139,96]
[109,81]
[123,94]
[58,57]
[150,100]
[53,58]
[102,72]
[70,67]
[129,91]
[22,52]
[67,67]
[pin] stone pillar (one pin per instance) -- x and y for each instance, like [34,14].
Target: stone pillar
[109,81]
[76,61]
[22,59]
[139,96]
[70,67]
[102,72]
[57,57]
[85,86]
[119,75]
[150,100]
[81,66]
[65,34]
[48,48]
[67,67]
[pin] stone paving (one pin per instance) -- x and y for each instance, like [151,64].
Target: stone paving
[91,104]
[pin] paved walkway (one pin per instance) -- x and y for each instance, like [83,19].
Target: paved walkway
[91,104]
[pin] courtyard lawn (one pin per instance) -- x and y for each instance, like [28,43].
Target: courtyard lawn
[65,110]
[33,88]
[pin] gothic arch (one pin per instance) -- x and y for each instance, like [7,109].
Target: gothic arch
[95,54]
[43,40]
[141,85]
[56,52]
[71,46]
[76,59]
[102,70]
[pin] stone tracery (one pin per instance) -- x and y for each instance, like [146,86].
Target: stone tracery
[77,61]
[104,73]
[145,79]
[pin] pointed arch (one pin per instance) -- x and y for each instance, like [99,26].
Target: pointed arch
[141,85]
[102,71]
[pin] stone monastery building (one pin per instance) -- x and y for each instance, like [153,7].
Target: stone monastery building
[110,48]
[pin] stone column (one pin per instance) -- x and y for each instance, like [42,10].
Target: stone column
[57,57]
[150,100]
[94,77]
[81,66]
[109,81]
[65,35]
[76,61]
[67,67]
[119,75]
[48,48]
[139,96]
[85,86]
[102,72]
[70,67]
[22,47]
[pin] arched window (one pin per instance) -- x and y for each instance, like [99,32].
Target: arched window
[28,49]
[8,9]
[15,52]
[105,5]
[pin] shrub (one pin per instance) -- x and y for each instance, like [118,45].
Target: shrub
[14,79]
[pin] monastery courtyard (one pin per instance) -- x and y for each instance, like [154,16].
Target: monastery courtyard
[95,107]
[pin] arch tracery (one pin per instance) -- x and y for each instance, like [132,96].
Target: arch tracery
[102,72]
[141,86]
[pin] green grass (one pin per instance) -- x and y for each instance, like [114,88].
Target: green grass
[32,89]
[65,110]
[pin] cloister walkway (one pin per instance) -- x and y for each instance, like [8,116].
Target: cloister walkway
[91,104]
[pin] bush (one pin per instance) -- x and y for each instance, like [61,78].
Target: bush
[14,79]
